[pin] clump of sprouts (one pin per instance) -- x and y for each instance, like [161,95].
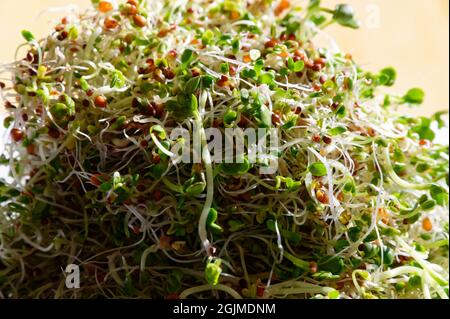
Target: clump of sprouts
[358,206]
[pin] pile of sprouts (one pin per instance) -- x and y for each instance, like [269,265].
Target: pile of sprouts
[357,208]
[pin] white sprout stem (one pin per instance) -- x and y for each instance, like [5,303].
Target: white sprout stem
[206,157]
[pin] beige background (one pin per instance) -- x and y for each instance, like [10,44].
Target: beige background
[411,35]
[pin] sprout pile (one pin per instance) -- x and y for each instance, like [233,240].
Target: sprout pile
[358,207]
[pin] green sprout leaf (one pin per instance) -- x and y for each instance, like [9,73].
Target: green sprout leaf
[337,131]
[387,77]
[213,271]
[345,16]
[317,169]
[27,35]
[414,96]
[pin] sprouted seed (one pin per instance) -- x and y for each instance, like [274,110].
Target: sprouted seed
[358,207]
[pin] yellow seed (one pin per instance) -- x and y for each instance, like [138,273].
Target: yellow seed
[427,225]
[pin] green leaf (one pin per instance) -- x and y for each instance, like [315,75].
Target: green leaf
[192,85]
[388,256]
[297,261]
[414,96]
[73,33]
[159,131]
[59,111]
[235,169]
[235,45]
[84,84]
[249,74]
[213,271]
[187,57]
[334,294]
[117,180]
[211,221]
[194,103]
[387,77]
[117,79]
[235,225]
[266,78]
[196,185]
[325,275]
[439,194]
[207,81]
[28,35]
[207,37]
[429,204]
[317,169]
[318,19]
[229,117]
[345,16]
[224,68]
[295,66]
[337,130]
[265,116]
[414,282]
[332,264]
[70,104]
[313,4]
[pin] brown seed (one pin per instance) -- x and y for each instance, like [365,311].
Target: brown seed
[244,121]
[159,76]
[169,74]
[316,67]
[157,195]
[86,103]
[111,23]
[316,87]
[195,72]
[62,36]
[233,70]
[30,57]
[130,9]
[53,132]
[100,101]
[276,119]
[271,43]
[17,134]
[172,53]
[133,2]
[313,266]
[316,138]
[30,149]
[321,61]
[135,103]
[9,105]
[156,159]
[2,85]
[223,82]
[323,79]
[322,196]
[140,21]
[159,110]
[327,139]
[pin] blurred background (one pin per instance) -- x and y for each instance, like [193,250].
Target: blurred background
[410,35]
